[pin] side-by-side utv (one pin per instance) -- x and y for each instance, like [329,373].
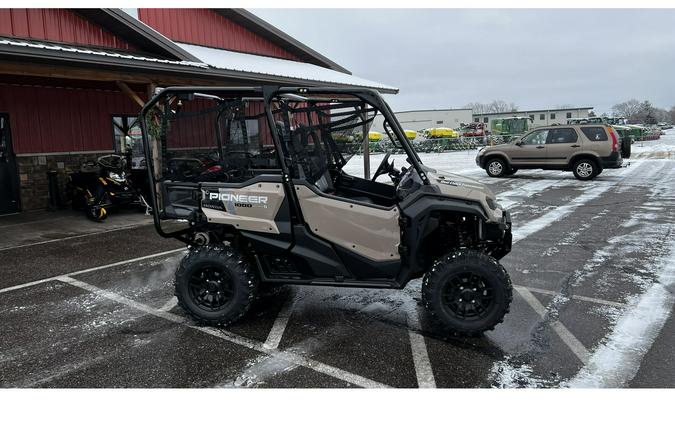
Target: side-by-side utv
[253,180]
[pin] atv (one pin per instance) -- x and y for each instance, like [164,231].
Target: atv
[287,212]
[103,184]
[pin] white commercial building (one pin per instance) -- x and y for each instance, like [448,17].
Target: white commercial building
[538,117]
[425,119]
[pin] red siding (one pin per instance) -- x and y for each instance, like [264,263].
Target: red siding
[208,28]
[47,120]
[58,25]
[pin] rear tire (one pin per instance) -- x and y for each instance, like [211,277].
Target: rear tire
[215,285]
[585,169]
[495,167]
[467,291]
[626,147]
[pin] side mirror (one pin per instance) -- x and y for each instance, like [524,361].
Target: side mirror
[518,142]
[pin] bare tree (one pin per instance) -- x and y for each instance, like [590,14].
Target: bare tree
[628,109]
[495,106]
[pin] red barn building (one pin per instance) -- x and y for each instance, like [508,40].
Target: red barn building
[72,81]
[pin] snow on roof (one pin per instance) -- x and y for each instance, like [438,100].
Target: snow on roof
[243,62]
[220,59]
[95,52]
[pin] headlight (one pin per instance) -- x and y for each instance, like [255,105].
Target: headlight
[116,177]
[492,204]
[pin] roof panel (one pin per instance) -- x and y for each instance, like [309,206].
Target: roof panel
[243,62]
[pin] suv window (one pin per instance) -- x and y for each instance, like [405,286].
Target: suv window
[535,138]
[595,133]
[562,136]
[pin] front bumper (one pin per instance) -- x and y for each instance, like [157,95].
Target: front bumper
[500,237]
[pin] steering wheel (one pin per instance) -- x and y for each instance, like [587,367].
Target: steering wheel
[384,167]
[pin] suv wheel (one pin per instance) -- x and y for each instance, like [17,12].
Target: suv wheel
[468,291]
[215,285]
[626,147]
[585,169]
[495,167]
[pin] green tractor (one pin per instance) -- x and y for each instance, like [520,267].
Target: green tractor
[510,127]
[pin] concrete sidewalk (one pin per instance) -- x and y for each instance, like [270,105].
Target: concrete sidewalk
[37,227]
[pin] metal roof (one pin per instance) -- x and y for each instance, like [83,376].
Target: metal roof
[534,111]
[271,66]
[215,63]
[94,52]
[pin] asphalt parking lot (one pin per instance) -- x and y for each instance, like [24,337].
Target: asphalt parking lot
[592,264]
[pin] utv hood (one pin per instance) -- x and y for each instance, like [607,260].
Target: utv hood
[466,188]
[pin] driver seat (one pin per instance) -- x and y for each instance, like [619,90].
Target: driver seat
[325,185]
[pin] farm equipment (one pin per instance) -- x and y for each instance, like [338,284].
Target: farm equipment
[509,127]
[440,132]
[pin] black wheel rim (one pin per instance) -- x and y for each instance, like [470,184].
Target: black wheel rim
[210,288]
[468,296]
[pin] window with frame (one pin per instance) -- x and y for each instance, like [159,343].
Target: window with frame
[439,122]
[535,138]
[562,136]
[569,115]
[552,116]
[127,135]
[542,116]
[476,119]
[595,133]
[485,120]
[532,117]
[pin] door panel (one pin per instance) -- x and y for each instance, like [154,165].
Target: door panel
[561,144]
[254,206]
[532,150]
[372,232]
[9,182]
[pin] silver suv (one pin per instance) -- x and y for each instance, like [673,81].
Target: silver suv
[583,149]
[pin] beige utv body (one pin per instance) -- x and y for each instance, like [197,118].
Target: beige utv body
[267,201]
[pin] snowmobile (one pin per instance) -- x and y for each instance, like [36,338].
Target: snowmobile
[104,184]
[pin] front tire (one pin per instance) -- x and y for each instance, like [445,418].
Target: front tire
[469,292]
[215,285]
[495,167]
[585,169]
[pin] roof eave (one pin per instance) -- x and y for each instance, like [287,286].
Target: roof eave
[128,65]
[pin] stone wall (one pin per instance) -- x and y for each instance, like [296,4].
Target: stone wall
[33,176]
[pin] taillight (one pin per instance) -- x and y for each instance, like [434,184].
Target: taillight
[615,141]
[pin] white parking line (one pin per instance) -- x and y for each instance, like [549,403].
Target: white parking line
[280,323]
[423,369]
[169,305]
[577,297]
[565,335]
[92,269]
[230,337]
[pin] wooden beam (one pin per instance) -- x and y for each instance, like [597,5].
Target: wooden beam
[130,93]
[65,72]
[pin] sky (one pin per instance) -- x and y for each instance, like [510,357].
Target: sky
[535,58]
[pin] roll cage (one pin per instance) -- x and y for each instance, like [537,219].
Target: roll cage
[272,98]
